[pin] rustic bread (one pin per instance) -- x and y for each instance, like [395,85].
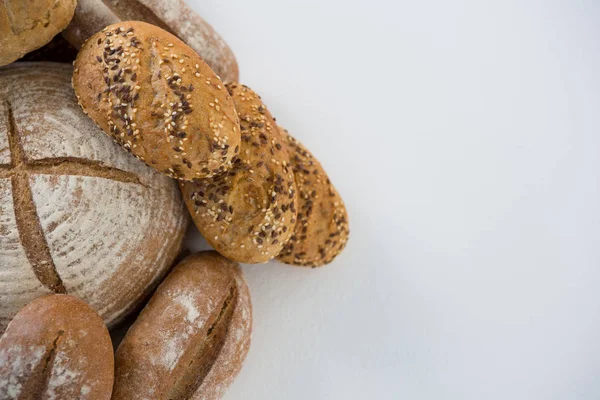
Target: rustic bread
[190,340]
[56,347]
[321,230]
[26,25]
[78,214]
[249,212]
[158,99]
[174,16]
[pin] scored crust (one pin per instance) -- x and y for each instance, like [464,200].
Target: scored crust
[248,212]
[174,16]
[56,347]
[192,337]
[26,25]
[321,232]
[158,99]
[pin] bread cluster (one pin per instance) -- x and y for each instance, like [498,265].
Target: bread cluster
[102,166]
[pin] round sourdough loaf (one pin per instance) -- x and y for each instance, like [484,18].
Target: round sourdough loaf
[56,347]
[174,16]
[78,214]
[26,25]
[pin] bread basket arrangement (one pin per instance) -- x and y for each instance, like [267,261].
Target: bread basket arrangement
[120,122]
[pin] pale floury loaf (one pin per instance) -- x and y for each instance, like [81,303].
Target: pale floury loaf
[78,214]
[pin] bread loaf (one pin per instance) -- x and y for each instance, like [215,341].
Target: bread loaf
[57,347]
[77,213]
[26,25]
[321,231]
[174,16]
[57,50]
[190,340]
[249,212]
[157,98]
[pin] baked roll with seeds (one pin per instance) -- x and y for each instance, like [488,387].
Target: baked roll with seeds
[56,347]
[26,25]
[192,337]
[321,230]
[174,16]
[158,99]
[248,212]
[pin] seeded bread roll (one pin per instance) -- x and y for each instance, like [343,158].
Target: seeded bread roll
[249,212]
[26,25]
[56,347]
[174,16]
[321,230]
[78,214]
[157,98]
[189,342]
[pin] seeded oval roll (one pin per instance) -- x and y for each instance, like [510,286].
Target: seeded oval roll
[191,339]
[321,230]
[249,212]
[158,99]
[56,347]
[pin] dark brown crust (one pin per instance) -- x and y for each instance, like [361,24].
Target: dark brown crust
[56,347]
[158,99]
[321,232]
[249,212]
[184,334]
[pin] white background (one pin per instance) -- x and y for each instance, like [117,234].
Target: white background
[464,137]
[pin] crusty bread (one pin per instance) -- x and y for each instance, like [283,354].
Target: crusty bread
[157,98]
[78,214]
[26,25]
[190,340]
[249,212]
[174,16]
[321,230]
[56,347]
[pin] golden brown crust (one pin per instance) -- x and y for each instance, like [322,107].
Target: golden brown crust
[56,347]
[157,98]
[174,16]
[26,25]
[191,338]
[249,212]
[321,232]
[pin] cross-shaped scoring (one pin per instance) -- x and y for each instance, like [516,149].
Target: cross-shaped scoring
[28,223]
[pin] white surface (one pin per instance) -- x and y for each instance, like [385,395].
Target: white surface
[464,138]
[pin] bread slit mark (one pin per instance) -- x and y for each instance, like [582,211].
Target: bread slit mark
[73,166]
[133,10]
[205,354]
[46,372]
[28,224]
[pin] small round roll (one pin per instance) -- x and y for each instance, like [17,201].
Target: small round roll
[26,25]
[56,347]
[191,339]
[321,232]
[157,98]
[248,212]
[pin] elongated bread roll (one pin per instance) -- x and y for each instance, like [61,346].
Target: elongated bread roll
[189,342]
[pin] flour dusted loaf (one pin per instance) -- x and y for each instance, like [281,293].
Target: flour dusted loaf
[58,348]
[190,340]
[158,99]
[321,230]
[248,212]
[174,16]
[26,25]
[78,214]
